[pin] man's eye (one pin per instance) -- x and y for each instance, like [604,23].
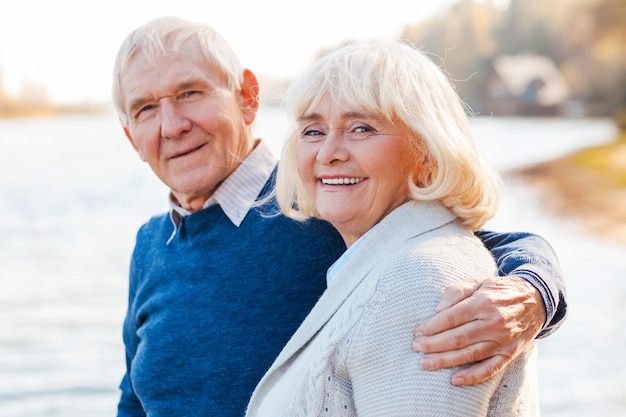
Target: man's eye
[188,94]
[143,110]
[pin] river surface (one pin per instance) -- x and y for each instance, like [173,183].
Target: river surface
[73,194]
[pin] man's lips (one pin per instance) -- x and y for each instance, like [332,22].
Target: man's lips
[186,152]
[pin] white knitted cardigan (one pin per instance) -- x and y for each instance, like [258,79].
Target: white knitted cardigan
[352,355]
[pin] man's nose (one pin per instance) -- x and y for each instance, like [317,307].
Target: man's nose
[174,122]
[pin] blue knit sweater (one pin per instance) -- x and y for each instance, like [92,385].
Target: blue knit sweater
[209,312]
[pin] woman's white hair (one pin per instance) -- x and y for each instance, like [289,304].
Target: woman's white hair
[402,84]
[155,37]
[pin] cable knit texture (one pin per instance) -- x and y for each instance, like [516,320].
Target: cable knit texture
[355,345]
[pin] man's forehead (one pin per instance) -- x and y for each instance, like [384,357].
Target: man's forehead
[147,78]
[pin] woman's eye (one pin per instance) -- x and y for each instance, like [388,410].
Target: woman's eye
[363,129]
[311,134]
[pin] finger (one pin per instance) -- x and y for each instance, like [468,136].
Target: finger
[456,293]
[455,339]
[468,355]
[481,371]
[458,315]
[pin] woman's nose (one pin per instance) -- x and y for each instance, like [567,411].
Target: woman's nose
[333,149]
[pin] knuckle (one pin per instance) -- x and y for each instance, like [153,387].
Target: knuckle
[485,296]
[459,340]
[449,320]
[471,354]
[495,366]
[499,321]
[488,371]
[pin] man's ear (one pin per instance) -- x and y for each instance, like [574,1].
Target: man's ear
[132,142]
[249,96]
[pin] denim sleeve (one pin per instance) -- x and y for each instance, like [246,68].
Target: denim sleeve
[530,257]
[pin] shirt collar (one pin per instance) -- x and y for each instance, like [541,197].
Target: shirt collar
[238,191]
[334,269]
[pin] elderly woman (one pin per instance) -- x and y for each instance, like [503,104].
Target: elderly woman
[381,148]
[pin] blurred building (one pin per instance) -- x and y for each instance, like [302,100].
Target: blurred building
[525,85]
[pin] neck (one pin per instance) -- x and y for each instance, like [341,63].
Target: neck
[192,205]
[349,239]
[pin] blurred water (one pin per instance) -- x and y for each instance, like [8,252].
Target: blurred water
[74,193]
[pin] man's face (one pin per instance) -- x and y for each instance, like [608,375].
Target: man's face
[185,122]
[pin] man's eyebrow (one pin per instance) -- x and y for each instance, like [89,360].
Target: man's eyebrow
[139,102]
[187,84]
[136,104]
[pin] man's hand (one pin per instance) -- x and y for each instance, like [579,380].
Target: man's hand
[486,321]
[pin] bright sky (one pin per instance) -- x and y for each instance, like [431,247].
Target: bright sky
[69,46]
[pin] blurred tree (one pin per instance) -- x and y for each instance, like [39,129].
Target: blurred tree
[608,19]
[585,39]
[463,42]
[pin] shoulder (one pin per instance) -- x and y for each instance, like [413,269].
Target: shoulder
[155,224]
[438,258]
[313,233]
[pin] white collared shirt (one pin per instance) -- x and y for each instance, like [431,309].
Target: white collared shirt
[334,269]
[238,191]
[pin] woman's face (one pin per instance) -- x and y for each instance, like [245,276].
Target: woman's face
[354,166]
